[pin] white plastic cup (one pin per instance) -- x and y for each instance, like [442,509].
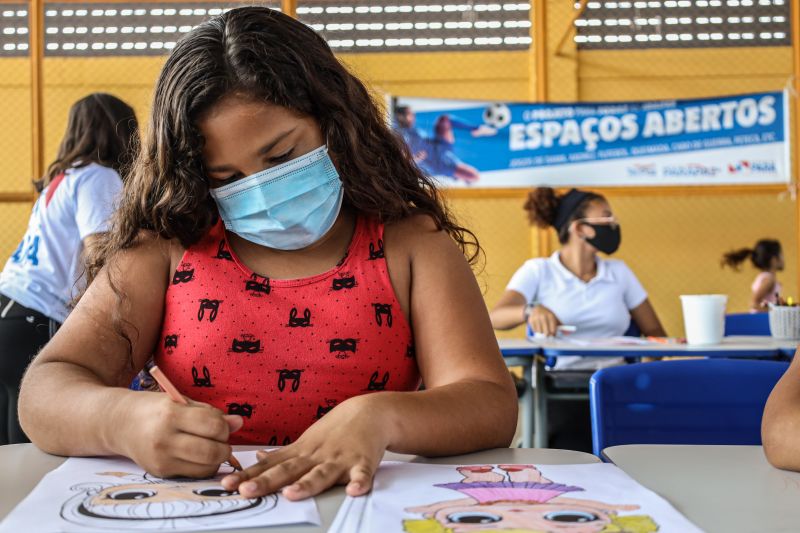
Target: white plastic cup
[704,318]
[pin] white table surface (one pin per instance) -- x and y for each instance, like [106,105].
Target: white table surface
[726,489]
[22,466]
[728,344]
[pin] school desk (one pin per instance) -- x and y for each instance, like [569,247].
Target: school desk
[531,357]
[23,465]
[729,489]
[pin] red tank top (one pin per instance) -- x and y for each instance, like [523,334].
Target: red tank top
[282,353]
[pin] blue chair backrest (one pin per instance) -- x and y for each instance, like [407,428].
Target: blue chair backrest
[747,324]
[707,401]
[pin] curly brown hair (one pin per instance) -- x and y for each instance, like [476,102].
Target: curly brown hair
[271,57]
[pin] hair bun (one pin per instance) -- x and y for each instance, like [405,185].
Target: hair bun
[542,206]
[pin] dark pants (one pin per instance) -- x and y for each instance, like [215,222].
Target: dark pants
[23,332]
[569,425]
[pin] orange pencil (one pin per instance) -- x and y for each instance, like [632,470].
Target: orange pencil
[167,386]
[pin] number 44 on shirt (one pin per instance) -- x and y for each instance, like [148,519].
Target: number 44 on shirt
[28,250]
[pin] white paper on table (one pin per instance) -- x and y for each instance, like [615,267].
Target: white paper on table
[114,494]
[548,498]
[611,341]
[350,517]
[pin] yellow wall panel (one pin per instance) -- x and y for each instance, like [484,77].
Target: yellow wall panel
[502,230]
[15,135]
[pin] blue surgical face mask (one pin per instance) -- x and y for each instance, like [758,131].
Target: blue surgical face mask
[286,207]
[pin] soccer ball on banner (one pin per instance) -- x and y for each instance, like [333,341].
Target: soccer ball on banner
[497,116]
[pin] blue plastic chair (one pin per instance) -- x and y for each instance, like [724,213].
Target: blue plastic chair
[747,324]
[708,401]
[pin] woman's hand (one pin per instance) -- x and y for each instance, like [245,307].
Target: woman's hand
[168,439]
[544,321]
[344,447]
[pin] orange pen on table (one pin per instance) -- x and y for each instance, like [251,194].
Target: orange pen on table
[167,386]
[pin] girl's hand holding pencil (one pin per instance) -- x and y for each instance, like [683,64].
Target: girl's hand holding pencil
[179,437]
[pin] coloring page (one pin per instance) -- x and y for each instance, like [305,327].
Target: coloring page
[114,494]
[591,498]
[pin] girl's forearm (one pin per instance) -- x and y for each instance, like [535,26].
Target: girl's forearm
[448,420]
[65,410]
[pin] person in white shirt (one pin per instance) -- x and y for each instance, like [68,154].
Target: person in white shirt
[45,272]
[575,286]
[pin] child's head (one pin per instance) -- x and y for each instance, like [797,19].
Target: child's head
[101,129]
[766,255]
[248,77]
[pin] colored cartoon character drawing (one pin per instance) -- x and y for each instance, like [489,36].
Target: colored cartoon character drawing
[147,503]
[526,502]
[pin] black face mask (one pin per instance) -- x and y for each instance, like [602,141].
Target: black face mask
[606,238]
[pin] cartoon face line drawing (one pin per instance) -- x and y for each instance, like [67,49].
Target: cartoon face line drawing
[382,310]
[524,502]
[146,503]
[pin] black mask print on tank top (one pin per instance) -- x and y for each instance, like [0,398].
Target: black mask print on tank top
[170,341]
[182,276]
[257,285]
[205,381]
[322,410]
[376,252]
[247,344]
[375,385]
[341,347]
[274,441]
[285,375]
[343,283]
[210,305]
[296,322]
[222,252]
[382,310]
[241,409]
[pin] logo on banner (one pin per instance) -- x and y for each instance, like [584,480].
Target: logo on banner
[692,170]
[744,166]
[639,170]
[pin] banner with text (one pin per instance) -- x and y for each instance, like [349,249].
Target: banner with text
[732,140]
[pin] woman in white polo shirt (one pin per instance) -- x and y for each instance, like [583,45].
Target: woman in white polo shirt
[76,200]
[576,287]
